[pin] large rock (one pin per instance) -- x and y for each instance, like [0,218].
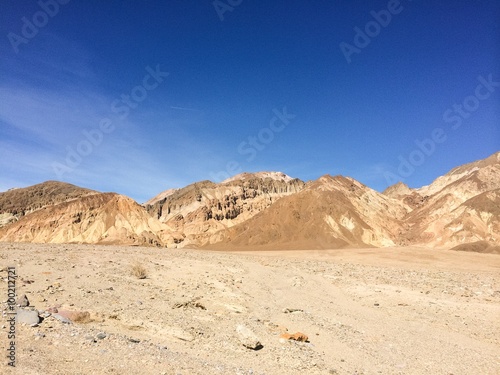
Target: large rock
[29,317]
[248,338]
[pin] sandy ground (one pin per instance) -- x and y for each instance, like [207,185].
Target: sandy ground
[365,311]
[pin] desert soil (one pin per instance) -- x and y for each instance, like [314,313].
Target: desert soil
[365,311]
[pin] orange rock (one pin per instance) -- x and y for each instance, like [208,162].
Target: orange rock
[296,336]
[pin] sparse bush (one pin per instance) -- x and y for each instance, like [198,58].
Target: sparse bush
[82,317]
[139,271]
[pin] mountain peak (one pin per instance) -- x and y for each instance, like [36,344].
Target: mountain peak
[397,190]
[277,176]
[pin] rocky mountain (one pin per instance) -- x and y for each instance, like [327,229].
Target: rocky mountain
[269,210]
[96,218]
[200,213]
[460,207]
[161,196]
[457,209]
[330,212]
[16,203]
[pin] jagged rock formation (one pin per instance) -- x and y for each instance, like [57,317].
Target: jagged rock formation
[330,212]
[199,213]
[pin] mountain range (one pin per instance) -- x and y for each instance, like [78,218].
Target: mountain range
[268,210]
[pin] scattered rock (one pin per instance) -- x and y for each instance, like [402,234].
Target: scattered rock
[291,311]
[191,303]
[182,335]
[135,341]
[44,314]
[23,301]
[61,318]
[248,338]
[101,335]
[53,310]
[296,336]
[29,317]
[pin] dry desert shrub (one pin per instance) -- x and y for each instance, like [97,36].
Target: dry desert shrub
[139,271]
[82,317]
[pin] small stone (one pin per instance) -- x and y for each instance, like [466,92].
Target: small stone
[23,301]
[61,318]
[248,338]
[135,341]
[101,336]
[291,311]
[29,317]
[182,335]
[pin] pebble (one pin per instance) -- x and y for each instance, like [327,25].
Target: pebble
[184,336]
[61,318]
[291,311]
[101,336]
[90,338]
[23,301]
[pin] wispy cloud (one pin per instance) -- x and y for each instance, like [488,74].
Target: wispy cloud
[48,102]
[184,109]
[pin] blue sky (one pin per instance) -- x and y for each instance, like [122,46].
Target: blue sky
[302,87]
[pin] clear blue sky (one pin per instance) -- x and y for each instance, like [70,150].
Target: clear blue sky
[84,68]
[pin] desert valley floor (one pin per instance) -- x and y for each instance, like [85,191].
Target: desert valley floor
[364,311]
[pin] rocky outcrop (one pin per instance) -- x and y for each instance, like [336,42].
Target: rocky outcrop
[199,213]
[16,203]
[330,212]
[457,208]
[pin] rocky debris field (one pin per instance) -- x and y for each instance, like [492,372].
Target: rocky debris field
[85,309]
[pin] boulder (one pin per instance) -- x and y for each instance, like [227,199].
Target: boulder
[248,338]
[29,317]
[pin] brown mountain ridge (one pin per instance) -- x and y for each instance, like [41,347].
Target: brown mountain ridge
[268,210]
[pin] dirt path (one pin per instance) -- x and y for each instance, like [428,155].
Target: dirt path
[365,311]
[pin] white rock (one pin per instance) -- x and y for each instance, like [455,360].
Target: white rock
[248,338]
